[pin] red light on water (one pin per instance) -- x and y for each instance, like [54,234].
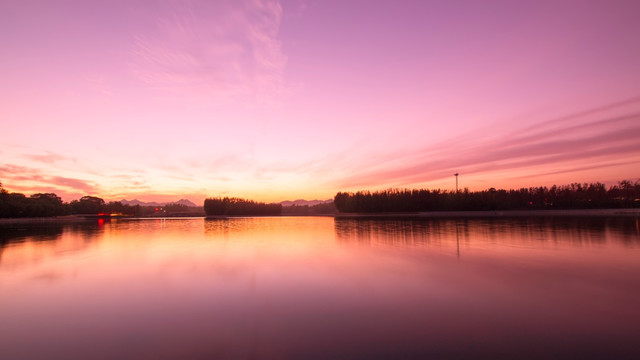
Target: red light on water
[100,222]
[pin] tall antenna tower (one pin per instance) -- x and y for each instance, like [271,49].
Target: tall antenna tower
[456,175]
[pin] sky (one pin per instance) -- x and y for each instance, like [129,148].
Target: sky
[281,100]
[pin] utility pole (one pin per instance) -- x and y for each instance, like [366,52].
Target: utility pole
[456,175]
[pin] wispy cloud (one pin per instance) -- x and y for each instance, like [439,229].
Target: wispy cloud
[34,180]
[592,167]
[75,184]
[47,158]
[220,49]
[597,137]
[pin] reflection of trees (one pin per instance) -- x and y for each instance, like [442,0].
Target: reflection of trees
[222,227]
[12,234]
[41,238]
[409,232]
[218,227]
[17,233]
[421,232]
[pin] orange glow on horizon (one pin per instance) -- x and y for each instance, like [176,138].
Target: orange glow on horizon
[264,100]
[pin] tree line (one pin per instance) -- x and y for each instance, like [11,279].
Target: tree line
[306,210]
[625,194]
[17,205]
[236,206]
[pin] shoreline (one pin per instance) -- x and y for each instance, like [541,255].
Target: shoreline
[629,212]
[69,219]
[497,213]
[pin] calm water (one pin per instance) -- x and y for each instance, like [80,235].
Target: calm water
[322,288]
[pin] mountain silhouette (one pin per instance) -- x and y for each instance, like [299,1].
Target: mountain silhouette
[302,202]
[135,202]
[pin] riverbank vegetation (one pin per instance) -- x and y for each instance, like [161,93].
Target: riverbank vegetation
[239,207]
[17,205]
[625,194]
[309,210]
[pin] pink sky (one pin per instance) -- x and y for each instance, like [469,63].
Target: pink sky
[161,100]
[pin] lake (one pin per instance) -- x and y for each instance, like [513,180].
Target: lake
[319,287]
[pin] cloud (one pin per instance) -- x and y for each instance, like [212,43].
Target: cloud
[34,180]
[592,167]
[220,49]
[11,171]
[76,184]
[589,140]
[47,158]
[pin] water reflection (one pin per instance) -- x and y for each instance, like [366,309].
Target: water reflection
[419,232]
[322,288]
[17,233]
[28,243]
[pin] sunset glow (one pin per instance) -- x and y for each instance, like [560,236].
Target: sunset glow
[282,100]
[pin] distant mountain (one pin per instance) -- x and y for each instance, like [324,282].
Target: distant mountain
[135,202]
[185,202]
[301,202]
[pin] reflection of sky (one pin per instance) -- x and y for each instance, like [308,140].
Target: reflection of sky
[304,287]
[529,232]
[288,99]
[23,245]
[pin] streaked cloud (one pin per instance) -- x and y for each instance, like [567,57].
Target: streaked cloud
[48,157]
[75,184]
[601,140]
[217,49]
[33,179]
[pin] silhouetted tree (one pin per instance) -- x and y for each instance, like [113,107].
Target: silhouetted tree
[301,210]
[47,204]
[88,205]
[235,206]
[117,207]
[573,196]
